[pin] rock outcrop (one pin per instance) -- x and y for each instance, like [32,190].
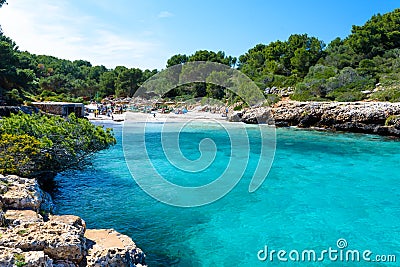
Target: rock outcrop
[18,217]
[21,193]
[363,117]
[29,239]
[11,257]
[110,248]
[279,91]
[235,117]
[57,240]
[258,116]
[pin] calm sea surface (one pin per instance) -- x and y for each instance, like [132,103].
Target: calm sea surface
[322,187]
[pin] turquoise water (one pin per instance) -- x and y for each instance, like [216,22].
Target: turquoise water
[322,187]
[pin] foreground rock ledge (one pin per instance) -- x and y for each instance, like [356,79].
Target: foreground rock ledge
[110,248]
[27,239]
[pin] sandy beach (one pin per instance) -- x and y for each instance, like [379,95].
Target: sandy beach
[116,117]
[172,117]
[160,117]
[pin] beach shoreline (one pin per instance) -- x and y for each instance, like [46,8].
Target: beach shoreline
[159,117]
[381,118]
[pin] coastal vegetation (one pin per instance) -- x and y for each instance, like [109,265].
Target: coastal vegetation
[364,65]
[345,70]
[41,145]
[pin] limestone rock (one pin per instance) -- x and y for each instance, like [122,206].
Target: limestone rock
[10,257]
[71,220]
[279,91]
[394,121]
[64,263]
[3,187]
[36,259]
[22,193]
[112,249]
[17,217]
[258,116]
[7,256]
[60,240]
[2,218]
[365,117]
[235,117]
[56,239]
[3,184]
[47,204]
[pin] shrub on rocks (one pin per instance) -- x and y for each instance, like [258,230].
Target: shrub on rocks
[38,145]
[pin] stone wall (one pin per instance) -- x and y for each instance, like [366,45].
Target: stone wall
[61,108]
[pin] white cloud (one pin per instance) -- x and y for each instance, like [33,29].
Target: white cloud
[165,14]
[61,30]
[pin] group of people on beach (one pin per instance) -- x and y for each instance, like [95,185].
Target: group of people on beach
[108,113]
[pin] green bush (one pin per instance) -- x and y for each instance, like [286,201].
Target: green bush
[20,154]
[392,120]
[392,95]
[35,145]
[348,96]
[302,93]
[301,96]
[238,108]
[20,260]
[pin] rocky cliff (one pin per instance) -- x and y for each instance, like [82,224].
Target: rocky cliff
[363,117]
[31,237]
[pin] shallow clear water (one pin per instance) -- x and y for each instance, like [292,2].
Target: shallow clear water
[322,187]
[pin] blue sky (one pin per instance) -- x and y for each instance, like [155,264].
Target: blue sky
[146,33]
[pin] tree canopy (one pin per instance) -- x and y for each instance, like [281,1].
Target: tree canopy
[50,144]
[345,69]
[26,76]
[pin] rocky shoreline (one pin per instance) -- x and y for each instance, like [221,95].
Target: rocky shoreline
[30,236]
[381,118]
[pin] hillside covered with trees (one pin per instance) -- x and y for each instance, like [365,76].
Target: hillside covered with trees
[346,69]
[25,76]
